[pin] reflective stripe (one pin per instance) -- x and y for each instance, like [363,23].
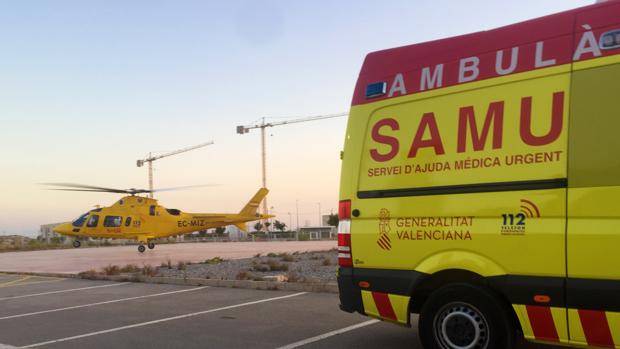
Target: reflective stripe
[386,306]
[613,319]
[596,328]
[560,321]
[526,327]
[542,323]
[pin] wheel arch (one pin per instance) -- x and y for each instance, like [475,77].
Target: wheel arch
[427,285]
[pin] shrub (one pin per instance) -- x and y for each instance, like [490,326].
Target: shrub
[257,255]
[148,270]
[181,265]
[112,270]
[89,274]
[260,267]
[272,255]
[294,276]
[327,261]
[287,257]
[246,275]
[277,266]
[130,268]
[214,260]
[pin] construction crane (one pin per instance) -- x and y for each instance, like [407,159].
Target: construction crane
[151,158]
[263,125]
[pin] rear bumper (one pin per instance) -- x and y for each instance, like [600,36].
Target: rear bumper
[350,294]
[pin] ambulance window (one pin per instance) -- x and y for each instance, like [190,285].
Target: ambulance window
[80,221]
[594,145]
[92,221]
[127,221]
[112,221]
[152,210]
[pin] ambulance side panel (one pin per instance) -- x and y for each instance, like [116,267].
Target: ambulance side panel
[593,283]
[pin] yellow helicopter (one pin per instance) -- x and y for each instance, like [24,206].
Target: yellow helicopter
[143,219]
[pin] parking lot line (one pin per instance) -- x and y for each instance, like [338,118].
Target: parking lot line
[328,334]
[62,291]
[11,282]
[6,346]
[178,317]
[101,303]
[32,283]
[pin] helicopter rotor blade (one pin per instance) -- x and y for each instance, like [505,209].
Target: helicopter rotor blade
[182,188]
[82,186]
[91,190]
[132,191]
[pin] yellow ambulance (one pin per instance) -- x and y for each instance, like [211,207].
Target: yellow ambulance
[480,185]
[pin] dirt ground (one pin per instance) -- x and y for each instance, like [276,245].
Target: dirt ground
[78,260]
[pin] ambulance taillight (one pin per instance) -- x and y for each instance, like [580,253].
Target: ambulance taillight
[344,234]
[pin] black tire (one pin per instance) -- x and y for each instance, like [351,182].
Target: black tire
[76,243]
[141,248]
[151,245]
[465,316]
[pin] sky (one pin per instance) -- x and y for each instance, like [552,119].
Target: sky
[89,87]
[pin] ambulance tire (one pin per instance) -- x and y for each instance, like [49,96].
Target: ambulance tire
[77,243]
[141,248]
[151,245]
[465,316]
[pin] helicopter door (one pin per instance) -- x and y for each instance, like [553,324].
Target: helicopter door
[93,220]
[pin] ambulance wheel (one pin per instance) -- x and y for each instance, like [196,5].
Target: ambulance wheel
[463,316]
[76,243]
[151,245]
[141,248]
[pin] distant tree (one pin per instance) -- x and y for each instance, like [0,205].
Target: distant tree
[220,230]
[333,220]
[267,225]
[202,233]
[279,225]
[258,226]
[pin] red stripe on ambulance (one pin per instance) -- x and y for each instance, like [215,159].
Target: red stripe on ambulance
[542,323]
[384,306]
[596,328]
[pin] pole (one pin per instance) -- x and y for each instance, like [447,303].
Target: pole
[150,177]
[290,221]
[297,212]
[264,163]
[320,220]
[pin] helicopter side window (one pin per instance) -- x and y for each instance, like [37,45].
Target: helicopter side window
[80,221]
[127,221]
[173,211]
[112,221]
[152,210]
[92,221]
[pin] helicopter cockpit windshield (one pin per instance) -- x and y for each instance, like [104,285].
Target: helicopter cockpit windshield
[80,221]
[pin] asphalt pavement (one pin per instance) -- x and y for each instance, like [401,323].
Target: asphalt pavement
[74,313]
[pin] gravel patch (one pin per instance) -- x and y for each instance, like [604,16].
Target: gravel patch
[307,267]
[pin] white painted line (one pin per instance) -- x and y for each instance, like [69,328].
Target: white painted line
[6,346]
[63,291]
[32,283]
[178,317]
[328,334]
[101,303]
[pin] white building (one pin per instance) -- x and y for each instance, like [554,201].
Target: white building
[46,233]
[234,233]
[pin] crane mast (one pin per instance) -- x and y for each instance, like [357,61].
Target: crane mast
[151,158]
[263,125]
